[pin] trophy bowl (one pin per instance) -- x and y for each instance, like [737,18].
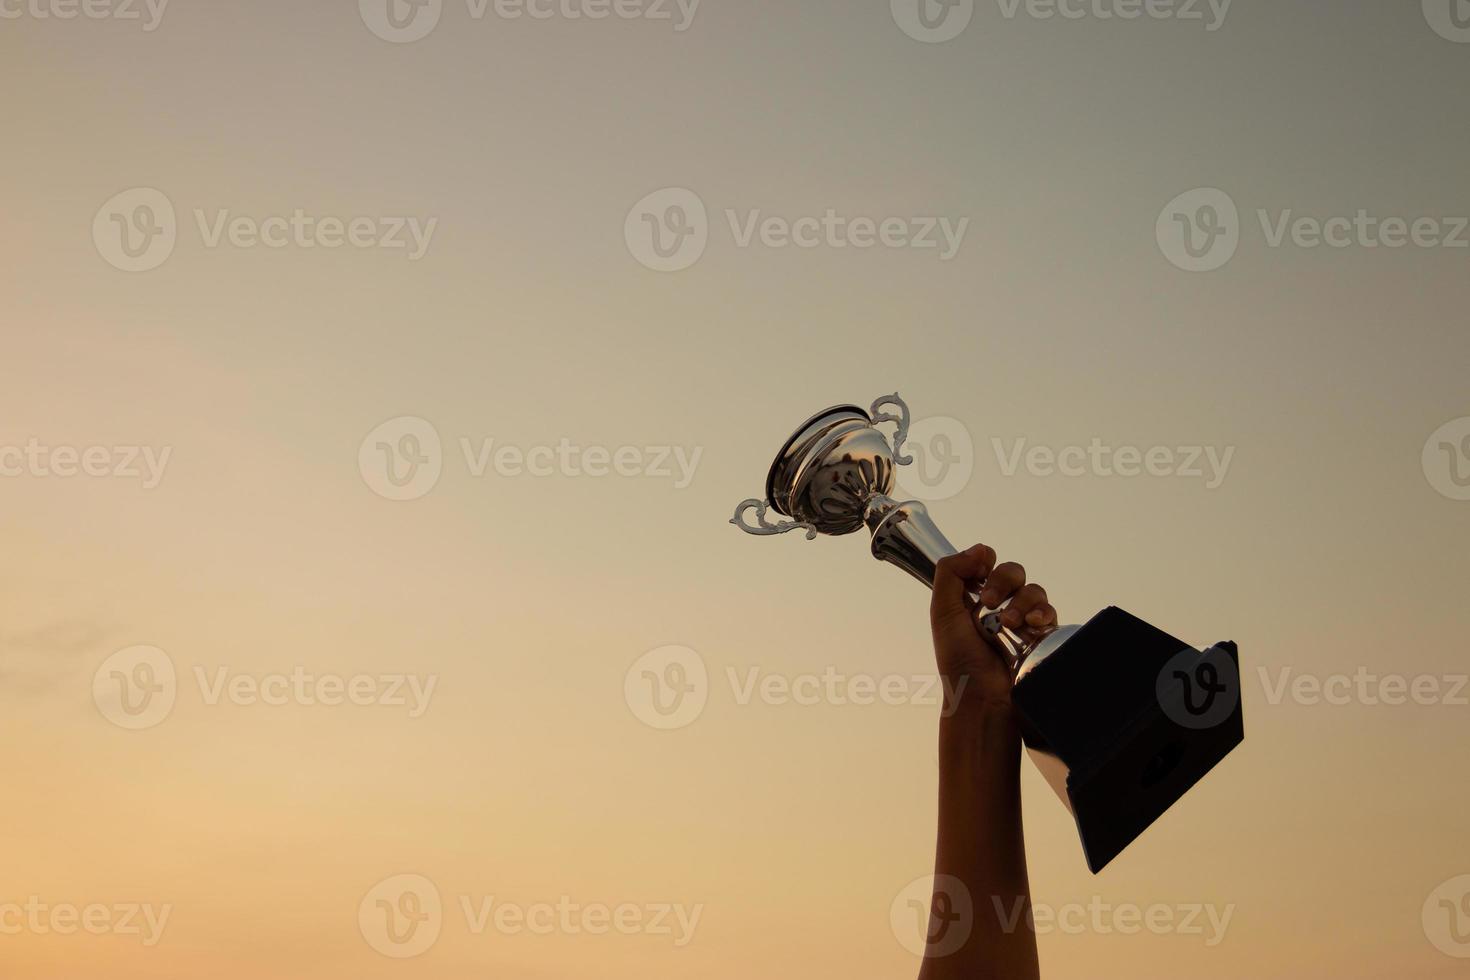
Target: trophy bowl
[829,469]
[1120,717]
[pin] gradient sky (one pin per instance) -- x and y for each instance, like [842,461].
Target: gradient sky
[1325,550]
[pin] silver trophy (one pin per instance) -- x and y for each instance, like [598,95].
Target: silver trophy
[1120,717]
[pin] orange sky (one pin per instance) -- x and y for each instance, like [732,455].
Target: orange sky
[476,729]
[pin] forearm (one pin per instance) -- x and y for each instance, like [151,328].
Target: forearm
[982,845]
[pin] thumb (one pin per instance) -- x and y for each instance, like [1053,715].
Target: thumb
[952,578]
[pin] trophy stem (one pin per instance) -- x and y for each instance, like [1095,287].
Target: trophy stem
[905,535]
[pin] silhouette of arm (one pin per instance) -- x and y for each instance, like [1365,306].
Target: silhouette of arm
[980,925]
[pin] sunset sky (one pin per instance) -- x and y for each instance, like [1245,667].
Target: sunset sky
[490,310]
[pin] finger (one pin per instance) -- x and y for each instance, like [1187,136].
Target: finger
[1002,583]
[1042,616]
[953,577]
[1027,598]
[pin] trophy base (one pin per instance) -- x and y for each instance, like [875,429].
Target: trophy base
[1118,738]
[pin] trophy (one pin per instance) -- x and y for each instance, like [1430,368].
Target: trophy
[1119,716]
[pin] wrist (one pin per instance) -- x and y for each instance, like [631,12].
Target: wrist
[979,719]
[973,696]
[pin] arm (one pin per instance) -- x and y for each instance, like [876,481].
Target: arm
[980,926]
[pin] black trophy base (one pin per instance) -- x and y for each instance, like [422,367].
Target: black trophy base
[1135,717]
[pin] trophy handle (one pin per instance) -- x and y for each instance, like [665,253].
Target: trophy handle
[902,418]
[764,526]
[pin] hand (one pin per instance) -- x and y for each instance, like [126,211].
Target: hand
[963,650]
